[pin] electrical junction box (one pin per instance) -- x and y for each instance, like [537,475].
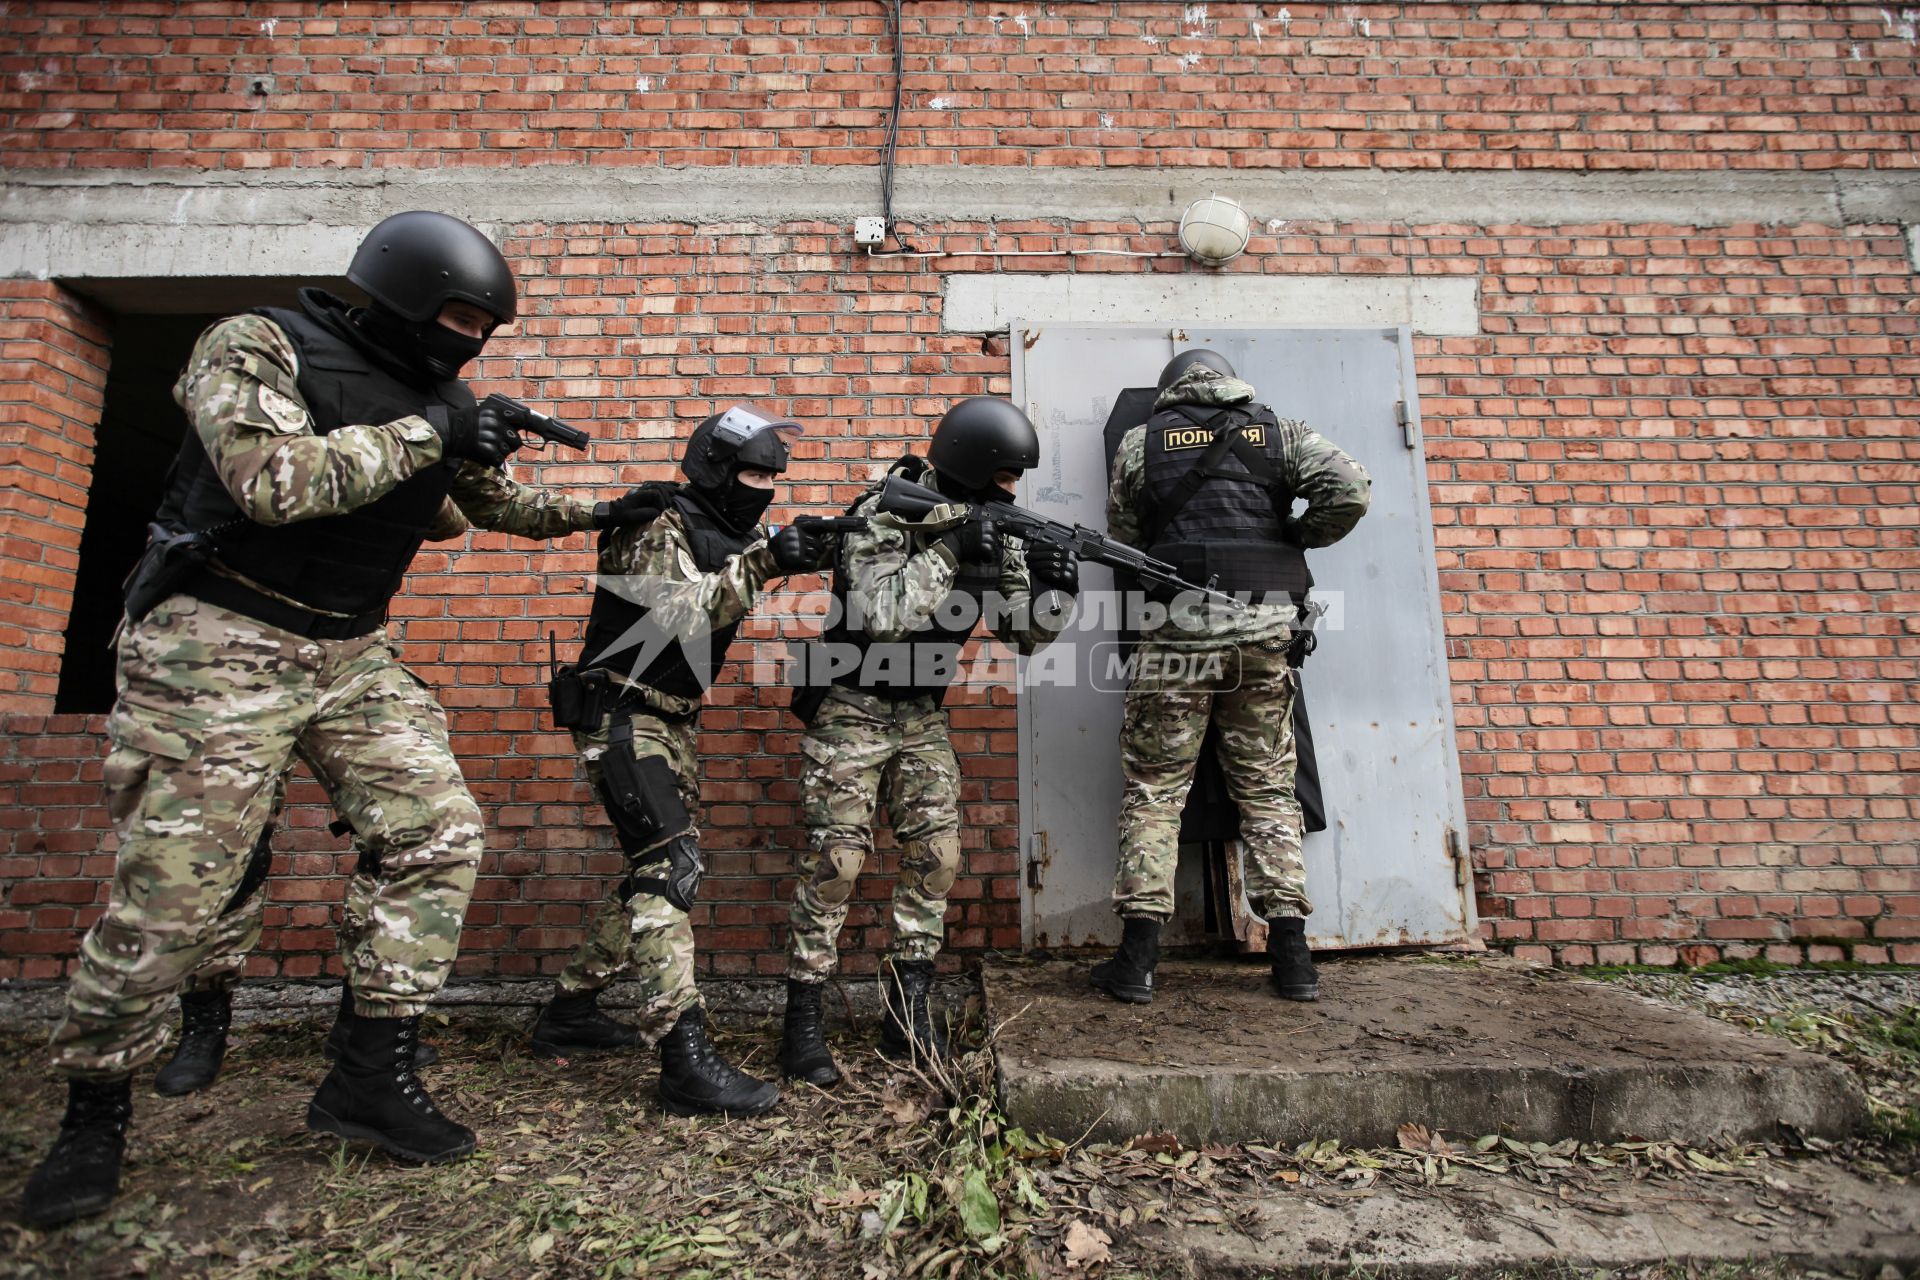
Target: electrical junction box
[870,232]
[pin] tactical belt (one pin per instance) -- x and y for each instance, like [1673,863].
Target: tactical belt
[228,593]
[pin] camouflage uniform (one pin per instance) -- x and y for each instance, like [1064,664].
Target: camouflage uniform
[862,749]
[643,932]
[213,706]
[1240,682]
[237,930]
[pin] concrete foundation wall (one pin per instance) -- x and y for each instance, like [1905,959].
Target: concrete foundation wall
[1658,270]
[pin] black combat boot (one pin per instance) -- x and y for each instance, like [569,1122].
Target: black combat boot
[1128,975]
[204,1019]
[695,1080]
[424,1054]
[572,1024]
[372,1095]
[81,1175]
[1294,977]
[803,1047]
[907,1030]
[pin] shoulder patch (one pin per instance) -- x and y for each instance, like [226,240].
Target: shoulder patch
[288,414]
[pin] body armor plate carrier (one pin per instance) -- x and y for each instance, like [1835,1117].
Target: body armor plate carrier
[351,563]
[617,635]
[1215,505]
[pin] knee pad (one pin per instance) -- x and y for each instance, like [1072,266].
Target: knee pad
[844,863]
[938,861]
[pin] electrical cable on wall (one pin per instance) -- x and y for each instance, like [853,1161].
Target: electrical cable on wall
[893,122]
[1028,253]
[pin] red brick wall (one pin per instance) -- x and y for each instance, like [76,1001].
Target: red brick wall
[1672,477]
[53,365]
[1425,86]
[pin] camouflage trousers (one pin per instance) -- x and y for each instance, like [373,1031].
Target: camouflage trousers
[1248,695]
[237,930]
[642,933]
[859,751]
[212,709]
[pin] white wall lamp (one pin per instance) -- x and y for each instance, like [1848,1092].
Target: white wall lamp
[1214,230]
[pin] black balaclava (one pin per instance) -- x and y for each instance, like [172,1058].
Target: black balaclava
[952,488]
[742,504]
[428,349]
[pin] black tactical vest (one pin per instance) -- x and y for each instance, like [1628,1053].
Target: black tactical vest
[351,563]
[924,664]
[1229,527]
[670,668]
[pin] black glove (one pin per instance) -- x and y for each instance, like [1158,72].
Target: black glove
[976,541]
[641,504]
[1053,565]
[797,549]
[479,434]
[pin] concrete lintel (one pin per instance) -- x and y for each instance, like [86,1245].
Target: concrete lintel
[79,216]
[992,303]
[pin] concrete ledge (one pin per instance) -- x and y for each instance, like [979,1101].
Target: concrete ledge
[1468,1047]
[992,303]
[79,224]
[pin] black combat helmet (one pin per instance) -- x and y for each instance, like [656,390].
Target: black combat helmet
[1189,358]
[745,435]
[979,436]
[722,446]
[414,263]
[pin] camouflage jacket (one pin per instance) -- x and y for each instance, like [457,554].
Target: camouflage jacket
[653,564]
[897,573]
[241,396]
[1335,488]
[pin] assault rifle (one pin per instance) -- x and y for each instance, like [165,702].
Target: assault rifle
[902,497]
[530,421]
[831,524]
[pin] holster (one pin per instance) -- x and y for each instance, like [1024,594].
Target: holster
[172,557]
[644,802]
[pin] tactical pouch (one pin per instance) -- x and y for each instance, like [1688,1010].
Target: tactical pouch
[172,557]
[580,699]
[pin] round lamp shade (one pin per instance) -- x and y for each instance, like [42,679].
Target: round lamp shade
[1214,230]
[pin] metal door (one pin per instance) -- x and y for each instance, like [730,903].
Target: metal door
[1391,868]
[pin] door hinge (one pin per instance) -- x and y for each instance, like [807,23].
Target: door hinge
[1401,416]
[1462,858]
[1033,873]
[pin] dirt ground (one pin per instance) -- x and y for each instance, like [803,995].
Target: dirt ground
[580,1173]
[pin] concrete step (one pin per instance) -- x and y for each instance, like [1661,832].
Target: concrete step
[1468,1046]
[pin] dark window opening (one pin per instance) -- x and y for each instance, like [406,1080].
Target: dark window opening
[139,434]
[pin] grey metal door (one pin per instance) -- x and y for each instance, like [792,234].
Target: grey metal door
[1391,868]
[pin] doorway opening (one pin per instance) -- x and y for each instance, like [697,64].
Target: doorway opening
[139,434]
[154,323]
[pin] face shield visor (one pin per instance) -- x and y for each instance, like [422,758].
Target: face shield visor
[748,436]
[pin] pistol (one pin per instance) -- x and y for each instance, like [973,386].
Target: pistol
[530,421]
